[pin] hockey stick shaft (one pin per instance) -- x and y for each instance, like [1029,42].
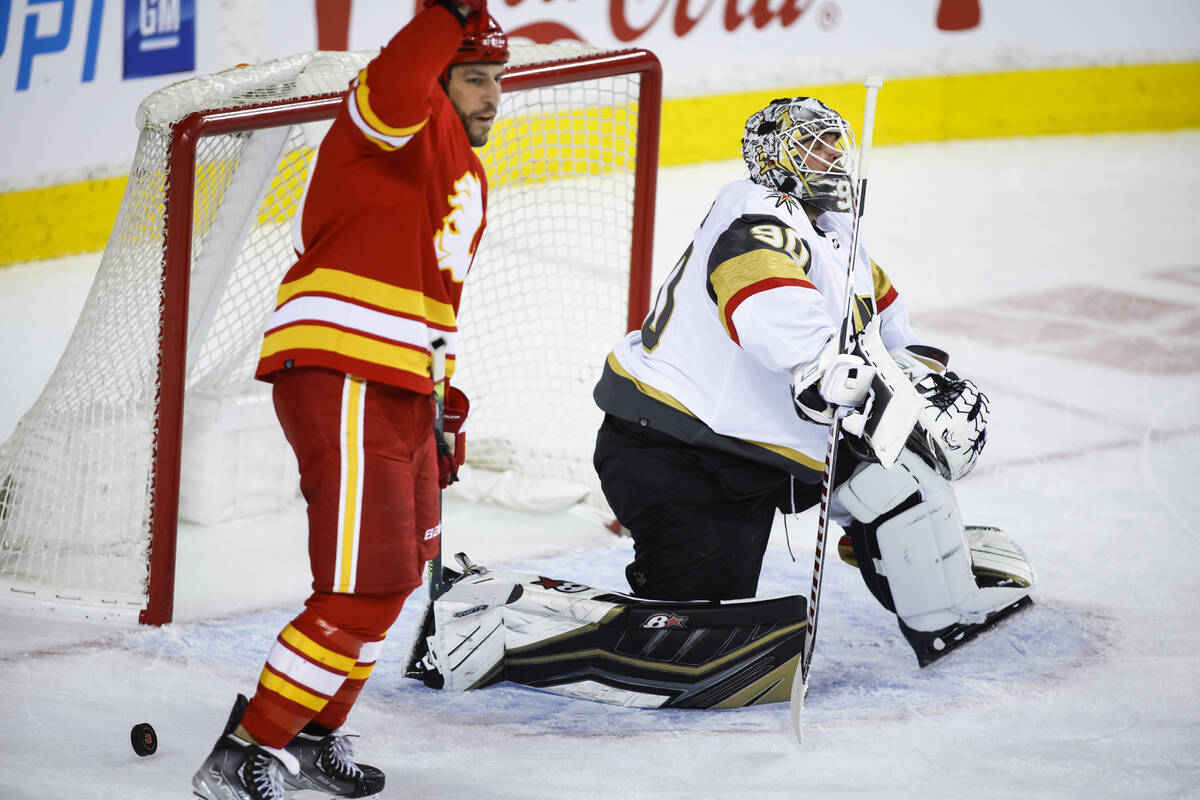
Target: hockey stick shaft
[800,681]
[438,371]
[873,85]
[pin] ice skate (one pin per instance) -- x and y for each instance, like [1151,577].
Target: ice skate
[327,764]
[932,645]
[239,770]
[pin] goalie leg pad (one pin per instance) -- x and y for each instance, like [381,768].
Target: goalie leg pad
[996,559]
[567,638]
[914,537]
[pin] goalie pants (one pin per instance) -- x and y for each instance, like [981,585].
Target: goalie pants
[700,518]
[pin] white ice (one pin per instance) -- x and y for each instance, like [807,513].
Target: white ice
[1063,274]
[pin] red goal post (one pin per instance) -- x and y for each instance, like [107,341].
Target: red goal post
[90,484]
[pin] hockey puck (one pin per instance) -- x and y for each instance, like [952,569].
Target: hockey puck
[144,739]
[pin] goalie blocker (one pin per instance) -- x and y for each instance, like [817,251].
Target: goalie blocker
[567,638]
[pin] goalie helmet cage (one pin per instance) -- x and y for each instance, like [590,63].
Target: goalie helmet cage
[90,480]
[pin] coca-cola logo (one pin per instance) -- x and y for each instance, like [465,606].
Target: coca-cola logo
[629,21]
[628,24]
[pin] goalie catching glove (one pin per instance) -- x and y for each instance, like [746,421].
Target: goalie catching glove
[908,399]
[452,449]
[951,427]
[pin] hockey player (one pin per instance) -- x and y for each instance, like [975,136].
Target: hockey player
[717,410]
[388,228]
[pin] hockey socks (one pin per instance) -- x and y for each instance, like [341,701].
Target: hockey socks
[319,664]
[305,669]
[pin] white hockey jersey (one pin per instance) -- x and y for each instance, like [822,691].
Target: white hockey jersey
[760,290]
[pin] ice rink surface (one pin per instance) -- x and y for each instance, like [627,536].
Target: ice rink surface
[1062,274]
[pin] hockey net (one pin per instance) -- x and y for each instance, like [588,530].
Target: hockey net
[90,487]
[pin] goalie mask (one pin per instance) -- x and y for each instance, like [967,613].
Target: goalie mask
[802,147]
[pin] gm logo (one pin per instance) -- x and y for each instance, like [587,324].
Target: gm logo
[160,37]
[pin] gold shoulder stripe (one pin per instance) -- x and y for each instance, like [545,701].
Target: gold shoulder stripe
[362,96]
[752,267]
[372,292]
[883,284]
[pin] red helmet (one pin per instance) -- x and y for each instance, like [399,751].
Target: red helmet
[483,41]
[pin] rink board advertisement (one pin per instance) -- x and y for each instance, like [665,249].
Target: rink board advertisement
[71,69]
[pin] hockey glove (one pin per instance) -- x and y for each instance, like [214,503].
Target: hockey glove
[452,450]
[832,385]
[951,428]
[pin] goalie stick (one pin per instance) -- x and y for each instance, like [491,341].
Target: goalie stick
[800,679]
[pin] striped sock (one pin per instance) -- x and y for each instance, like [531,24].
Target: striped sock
[307,668]
[333,716]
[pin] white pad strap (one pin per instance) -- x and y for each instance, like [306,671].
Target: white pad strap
[923,552]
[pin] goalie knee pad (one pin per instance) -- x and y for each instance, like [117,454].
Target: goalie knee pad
[910,544]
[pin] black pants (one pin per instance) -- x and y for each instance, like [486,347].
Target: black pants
[700,518]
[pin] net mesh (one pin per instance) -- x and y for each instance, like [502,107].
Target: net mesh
[546,299]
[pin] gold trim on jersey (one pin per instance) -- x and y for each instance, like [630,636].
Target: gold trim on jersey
[646,389]
[321,337]
[793,455]
[370,291]
[789,454]
[362,98]
[880,280]
[747,269]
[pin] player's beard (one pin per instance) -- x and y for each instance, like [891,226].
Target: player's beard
[478,130]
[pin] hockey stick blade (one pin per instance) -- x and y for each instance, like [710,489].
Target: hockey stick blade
[796,702]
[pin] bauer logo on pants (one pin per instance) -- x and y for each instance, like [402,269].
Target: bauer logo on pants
[665,621]
[433,532]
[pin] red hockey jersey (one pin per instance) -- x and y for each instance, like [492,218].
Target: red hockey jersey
[388,225]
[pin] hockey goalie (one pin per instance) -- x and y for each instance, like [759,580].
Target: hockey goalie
[718,414]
